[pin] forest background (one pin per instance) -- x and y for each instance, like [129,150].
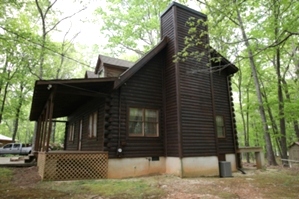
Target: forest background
[55,39]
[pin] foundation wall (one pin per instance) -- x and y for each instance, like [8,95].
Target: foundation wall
[173,166]
[200,166]
[192,167]
[232,159]
[133,167]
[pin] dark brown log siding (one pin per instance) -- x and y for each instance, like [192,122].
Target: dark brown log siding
[171,104]
[113,71]
[83,112]
[144,89]
[198,134]
[223,108]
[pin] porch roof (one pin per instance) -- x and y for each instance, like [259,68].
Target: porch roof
[68,94]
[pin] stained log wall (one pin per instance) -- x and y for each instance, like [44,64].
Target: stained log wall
[83,112]
[170,83]
[223,108]
[190,118]
[144,89]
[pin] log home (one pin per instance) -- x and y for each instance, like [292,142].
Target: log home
[149,117]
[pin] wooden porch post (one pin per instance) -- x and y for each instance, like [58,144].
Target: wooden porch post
[40,142]
[45,127]
[37,136]
[50,116]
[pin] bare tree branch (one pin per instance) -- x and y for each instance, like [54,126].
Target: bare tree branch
[53,27]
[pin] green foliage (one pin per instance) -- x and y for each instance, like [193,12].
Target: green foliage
[5,175]
[131,24]
[269,27]
[25,56]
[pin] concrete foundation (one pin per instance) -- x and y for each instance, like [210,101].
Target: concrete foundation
[173,166]
[232,159]
[186,167]
[200,166]
[133,167]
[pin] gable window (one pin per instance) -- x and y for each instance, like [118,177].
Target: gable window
[71,132]
[92,125]
[220,126]
[143,122]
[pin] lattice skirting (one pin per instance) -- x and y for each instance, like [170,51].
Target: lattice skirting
[79,165]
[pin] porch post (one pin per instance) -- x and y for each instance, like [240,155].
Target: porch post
[37,135]
[50,116]
[45,127]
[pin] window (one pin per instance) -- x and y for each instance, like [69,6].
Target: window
[8,146]
[92,127]
[143,122]
[71,132]
[220,126]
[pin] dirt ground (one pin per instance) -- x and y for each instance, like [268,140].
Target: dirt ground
[254,184]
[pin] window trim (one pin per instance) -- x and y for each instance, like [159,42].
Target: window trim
[71,132]
[223,127]
[93,125]
[143,122]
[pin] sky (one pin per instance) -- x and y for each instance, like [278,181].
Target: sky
[86,22]
[81,22]
[88,25]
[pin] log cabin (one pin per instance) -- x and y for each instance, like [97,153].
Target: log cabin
[153,116]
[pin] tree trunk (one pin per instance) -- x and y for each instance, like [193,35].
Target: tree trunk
[3,101]
[18,111]
[282,137]
[288,97]
[273,122]
[270,154]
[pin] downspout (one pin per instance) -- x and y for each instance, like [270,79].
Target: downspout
[119,149]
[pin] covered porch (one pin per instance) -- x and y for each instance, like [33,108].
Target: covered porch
[60,98]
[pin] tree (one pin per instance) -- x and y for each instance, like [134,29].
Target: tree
[132,24]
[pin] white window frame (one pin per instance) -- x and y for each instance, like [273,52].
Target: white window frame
[71,132]
[92,125]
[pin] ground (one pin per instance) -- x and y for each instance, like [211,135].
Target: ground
[26,177]
[273,182]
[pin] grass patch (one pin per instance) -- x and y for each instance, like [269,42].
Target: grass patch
[127,188]
[5,175]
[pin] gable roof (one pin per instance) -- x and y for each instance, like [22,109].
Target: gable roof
[223,62]
[295,143]
[140,63]
[105,60]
